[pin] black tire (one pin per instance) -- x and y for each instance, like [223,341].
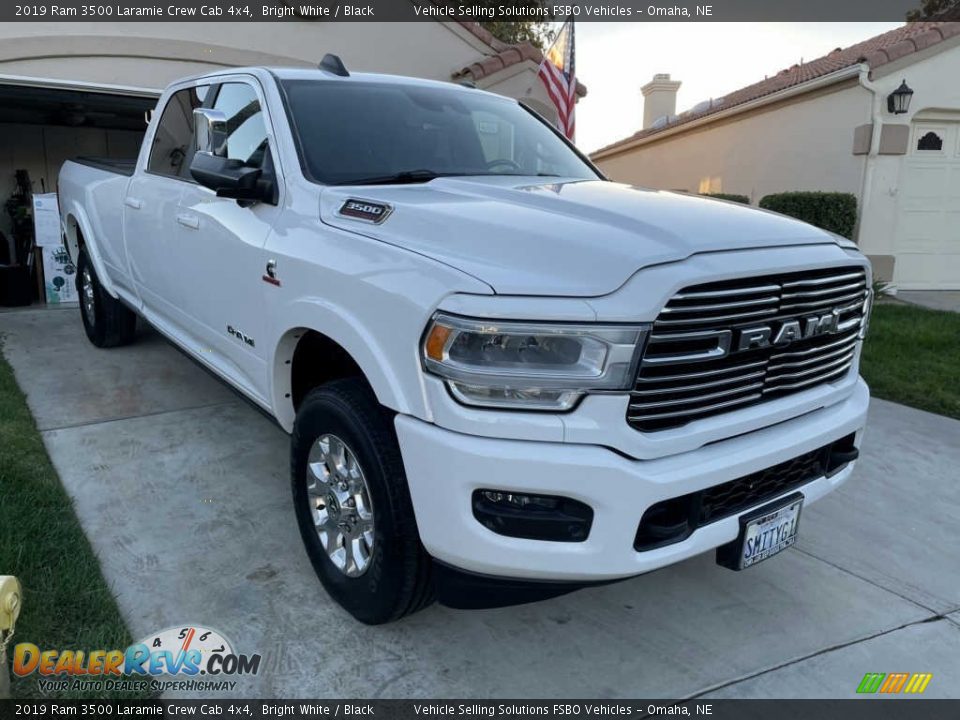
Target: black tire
[111,323]
[398,580]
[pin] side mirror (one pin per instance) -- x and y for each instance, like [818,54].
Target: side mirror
[210,132]
[229,178]
[210,166]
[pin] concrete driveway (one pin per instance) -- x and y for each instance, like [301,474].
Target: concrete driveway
[183,490]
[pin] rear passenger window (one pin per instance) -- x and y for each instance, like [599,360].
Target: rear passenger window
[246,131]
[172,148]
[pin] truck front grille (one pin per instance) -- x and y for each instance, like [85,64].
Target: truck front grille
[725,345]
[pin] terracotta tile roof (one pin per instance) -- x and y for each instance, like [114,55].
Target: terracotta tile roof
[504,55]
[875,52]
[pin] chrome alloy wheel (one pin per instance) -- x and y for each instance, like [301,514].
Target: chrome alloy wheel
[339,502]
[86,289]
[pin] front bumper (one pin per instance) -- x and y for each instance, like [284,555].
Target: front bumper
[445,467]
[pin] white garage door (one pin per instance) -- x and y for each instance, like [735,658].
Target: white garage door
[927,243]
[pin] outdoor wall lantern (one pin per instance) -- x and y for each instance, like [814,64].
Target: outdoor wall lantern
[898,102]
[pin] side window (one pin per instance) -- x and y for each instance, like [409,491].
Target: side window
[246,131]
[173,142]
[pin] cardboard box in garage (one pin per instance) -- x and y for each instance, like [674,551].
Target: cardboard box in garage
[59,273]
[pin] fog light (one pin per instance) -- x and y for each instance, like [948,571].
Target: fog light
[532,517]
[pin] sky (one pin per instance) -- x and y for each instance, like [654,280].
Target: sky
[711,59]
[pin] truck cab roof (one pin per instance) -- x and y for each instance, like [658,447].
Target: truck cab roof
[295,73]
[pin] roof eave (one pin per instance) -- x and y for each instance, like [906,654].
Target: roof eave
[795,90]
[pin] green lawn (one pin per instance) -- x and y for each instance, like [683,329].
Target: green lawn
[912,356]
[66,604]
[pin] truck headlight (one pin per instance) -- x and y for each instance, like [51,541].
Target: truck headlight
[542,366]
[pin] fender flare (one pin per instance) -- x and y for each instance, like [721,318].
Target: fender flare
[346,329]
[76,212]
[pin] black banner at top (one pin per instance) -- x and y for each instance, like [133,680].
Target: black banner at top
[467,10]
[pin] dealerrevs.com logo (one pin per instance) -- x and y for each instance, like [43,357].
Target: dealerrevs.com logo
[185,657]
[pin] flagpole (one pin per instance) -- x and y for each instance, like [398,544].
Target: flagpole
[573,74]
[561,89]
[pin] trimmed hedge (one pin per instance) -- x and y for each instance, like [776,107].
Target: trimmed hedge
[832,211]
[727,196]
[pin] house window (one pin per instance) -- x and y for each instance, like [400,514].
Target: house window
[930,141]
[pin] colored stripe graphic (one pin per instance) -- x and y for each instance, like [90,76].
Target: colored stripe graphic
[918,682]
[893,683]
[871,682]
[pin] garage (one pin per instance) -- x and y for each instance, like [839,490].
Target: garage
[927,241]
[43,123]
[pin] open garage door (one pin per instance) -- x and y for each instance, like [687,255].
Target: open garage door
[927,240]
[43,123]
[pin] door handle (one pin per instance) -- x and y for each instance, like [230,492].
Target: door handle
[190,221]
[133,202]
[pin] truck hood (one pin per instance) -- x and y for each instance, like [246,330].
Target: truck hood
[523,236]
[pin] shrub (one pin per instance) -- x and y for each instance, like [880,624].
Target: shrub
[832,211]
[883,287]
[728,196]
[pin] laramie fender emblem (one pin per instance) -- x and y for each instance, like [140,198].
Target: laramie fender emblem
[270,276]
[365,210]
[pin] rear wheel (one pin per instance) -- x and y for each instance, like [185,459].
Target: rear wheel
[353,506]
[106,320]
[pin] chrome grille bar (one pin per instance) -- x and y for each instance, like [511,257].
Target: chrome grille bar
[721,306]
[775,368]
[816,293]
[822,281]
[802,373]
[699,398]
[717,318]
[698,386]
[726,293]
[701,373]
[707,408]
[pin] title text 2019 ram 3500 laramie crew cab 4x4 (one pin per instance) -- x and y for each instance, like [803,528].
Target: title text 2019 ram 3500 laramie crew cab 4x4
[504,376]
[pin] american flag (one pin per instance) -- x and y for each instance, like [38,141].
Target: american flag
[557,74]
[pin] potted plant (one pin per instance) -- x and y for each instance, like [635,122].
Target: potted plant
[16,285]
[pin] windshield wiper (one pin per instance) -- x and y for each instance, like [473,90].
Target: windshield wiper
[400,178]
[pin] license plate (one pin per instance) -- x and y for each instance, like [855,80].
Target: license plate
[763,533]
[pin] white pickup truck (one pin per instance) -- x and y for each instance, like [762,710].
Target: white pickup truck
[504,376]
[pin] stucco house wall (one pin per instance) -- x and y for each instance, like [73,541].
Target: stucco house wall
[910,185]
[756,153]
[151,54]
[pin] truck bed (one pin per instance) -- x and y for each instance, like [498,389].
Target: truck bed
[94,188]
[121,166]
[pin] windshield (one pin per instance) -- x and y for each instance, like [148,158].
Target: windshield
[348,133]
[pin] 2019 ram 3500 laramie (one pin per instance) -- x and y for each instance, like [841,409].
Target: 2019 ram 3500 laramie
[503,375]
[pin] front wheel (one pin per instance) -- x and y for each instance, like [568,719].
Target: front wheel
[106,320]
[353,506]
